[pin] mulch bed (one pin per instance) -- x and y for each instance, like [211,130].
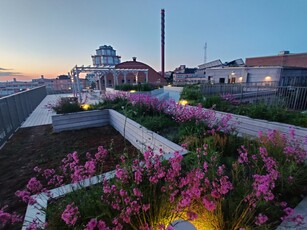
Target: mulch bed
[39,146]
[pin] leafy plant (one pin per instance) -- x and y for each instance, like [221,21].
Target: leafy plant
[137,87]
[192,94]
[67,105]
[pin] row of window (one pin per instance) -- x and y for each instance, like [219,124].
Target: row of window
[106,52]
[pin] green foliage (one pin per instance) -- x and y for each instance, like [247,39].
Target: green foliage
[88,201]
[137,87]
[117,104]
[155,123]
[273,112]
[67,105]
[217,103]
[192,94]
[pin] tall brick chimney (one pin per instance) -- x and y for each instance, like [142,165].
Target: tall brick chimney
[162,41]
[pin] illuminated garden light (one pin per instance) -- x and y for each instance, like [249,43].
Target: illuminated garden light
[183,102]
[85,106]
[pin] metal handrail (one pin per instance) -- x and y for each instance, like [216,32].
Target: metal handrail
[15,108]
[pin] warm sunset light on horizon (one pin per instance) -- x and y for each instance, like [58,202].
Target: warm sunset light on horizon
[50,37]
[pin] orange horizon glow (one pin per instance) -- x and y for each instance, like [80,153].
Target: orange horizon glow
[28,76]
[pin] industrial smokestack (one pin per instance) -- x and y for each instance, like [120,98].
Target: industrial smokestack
[162,41]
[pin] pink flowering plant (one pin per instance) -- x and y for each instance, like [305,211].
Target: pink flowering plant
[162,115]
[230,98]
[152,192]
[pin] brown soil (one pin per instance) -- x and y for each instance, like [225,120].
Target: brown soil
[39,146]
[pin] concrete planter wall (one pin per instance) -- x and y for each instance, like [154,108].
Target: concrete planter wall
[141,137]
[136,134]
[246,126]
[80,120]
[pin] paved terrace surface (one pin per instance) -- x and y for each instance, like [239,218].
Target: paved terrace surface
[43,112]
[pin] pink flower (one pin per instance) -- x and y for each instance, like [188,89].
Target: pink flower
[288,212]
[91,224]
[138,176]
[145,207]
[192,215]
[137,192]
[70,214]
[209,205]
[25,197]
[90,167]
[102,225]
[4,216]
[261,219]
[299,219]
[48,173]
[34,185]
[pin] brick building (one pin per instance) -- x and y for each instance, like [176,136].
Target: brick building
[134,77]
[284,58]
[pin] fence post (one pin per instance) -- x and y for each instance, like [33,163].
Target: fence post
[295,100]
[241,93]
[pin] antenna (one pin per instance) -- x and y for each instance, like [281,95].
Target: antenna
[205,53]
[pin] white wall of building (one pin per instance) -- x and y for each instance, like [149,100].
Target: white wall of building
[243,74]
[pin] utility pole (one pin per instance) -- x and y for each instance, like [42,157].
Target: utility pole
[205,53]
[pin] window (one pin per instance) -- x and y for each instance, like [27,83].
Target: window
[222,80]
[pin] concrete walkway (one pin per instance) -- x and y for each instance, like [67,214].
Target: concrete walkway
[43,112]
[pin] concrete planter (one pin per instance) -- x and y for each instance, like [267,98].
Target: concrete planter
[246,126]
[80,120]
[136,134]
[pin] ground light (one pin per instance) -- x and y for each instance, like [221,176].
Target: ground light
[183,102]
[132,91]
[85,106]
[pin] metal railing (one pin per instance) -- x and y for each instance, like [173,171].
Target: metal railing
[15,108]
[291,97]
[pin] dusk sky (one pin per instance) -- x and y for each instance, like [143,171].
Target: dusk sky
[40,37]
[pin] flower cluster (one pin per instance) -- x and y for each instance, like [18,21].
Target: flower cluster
[139,188]
[6,217]
[178,112]
[70,214]
[229,98]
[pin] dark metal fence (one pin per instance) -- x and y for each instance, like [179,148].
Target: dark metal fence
[294,98]
[15,108]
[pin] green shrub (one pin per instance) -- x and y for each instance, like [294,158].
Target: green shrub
[67,105]
[192,94]
[137,87]
[273,112]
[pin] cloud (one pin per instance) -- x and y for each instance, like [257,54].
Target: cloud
[10,74]
[5,72]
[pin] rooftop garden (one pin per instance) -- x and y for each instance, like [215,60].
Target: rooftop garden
[224,182]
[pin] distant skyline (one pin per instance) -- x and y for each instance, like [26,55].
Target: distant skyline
[40,37]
